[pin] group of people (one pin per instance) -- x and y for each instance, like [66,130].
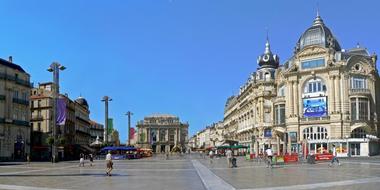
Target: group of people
[231,160]
[82,157]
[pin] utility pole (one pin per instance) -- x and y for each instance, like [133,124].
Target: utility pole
[106,99]
[55,67]
[129,126]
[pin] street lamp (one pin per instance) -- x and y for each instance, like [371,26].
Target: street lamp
[55,67]
[129,126]
[106,99]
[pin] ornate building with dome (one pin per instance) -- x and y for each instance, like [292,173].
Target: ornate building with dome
[322,95]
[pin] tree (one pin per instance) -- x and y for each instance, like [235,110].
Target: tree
[50,141]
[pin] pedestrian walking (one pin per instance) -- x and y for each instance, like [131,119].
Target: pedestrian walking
[335,158]
[81,159]
[109,163]
[229,158]
[269,154]
[211,154]
[91,159]
[28,159]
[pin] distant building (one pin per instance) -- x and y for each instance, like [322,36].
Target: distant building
[41,106]
[73,134]
[162,133]
[96,130]
[14,111]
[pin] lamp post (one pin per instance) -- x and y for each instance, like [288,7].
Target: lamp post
[129,126]
[55,67]
[106,99]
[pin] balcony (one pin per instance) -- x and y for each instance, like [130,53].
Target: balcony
[37,118]
[314,119]
[20,101]
[359,91]
[22,123]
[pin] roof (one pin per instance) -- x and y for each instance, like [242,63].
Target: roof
[80,100]
[11,65]
[159,115]
[318,34]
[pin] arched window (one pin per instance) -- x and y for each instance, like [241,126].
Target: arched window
[358,133]
[314,85]
[315,133]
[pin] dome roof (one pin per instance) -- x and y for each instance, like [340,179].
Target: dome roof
[318,34]
[268,59]
[80,100]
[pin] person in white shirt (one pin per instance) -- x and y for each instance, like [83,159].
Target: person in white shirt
[335,158]
[109,163]
[269,154]
[211,154]
[229,157]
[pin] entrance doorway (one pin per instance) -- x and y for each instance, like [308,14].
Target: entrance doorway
[355,149]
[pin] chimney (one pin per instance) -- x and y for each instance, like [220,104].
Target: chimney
[10,59]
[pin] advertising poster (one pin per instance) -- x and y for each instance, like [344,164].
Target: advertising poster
[315,107]
[267,133]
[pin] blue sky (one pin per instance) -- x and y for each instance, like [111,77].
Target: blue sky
[167,56]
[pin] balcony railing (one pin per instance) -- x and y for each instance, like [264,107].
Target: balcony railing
[315,118]
[19,122]
[21,101]
[361,91]
[37,118]
[17,80]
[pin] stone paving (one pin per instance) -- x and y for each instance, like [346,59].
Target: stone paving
[191,172]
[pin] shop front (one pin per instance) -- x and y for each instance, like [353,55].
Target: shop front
[349,147]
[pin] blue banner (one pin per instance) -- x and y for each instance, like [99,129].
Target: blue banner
[315,107]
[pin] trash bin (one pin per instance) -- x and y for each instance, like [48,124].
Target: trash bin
[311,159]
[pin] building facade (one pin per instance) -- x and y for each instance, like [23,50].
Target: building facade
[14,111]
[320,96]
[162,133]
[41,106]
[72,134]
[210,137]
[96,131]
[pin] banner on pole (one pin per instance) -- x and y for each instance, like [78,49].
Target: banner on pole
[61,111]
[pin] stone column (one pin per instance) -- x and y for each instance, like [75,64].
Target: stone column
[278,144]
[290,98]
[332,94]
[284,147]
[295,96]
[147,135]
[167,135]
[337,94]
[158,135]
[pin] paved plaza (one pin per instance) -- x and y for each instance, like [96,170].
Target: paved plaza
[191,172]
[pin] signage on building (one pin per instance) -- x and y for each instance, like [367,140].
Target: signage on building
[315,107]
[267,133]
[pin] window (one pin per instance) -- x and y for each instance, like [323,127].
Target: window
[15,94]
[313,63]
[312,37]
[359,109]
[315,133]
[281,91]
[314,85]
[358,133]
[358,83]
[279,115]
